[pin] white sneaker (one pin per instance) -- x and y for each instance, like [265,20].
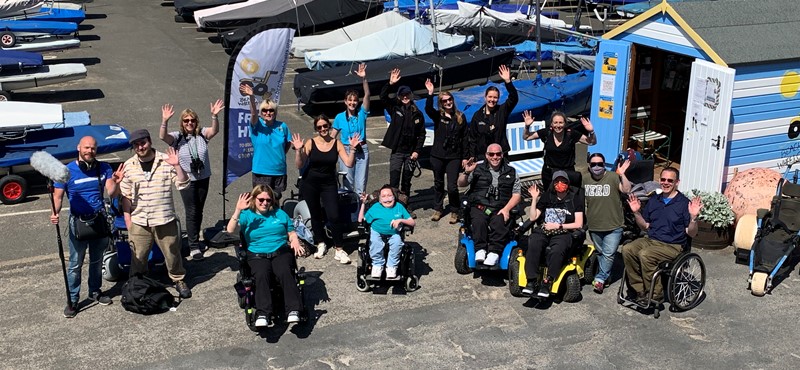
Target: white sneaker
[491,259]
[480,255]
[293,317]
[376,271]
[321,249]
[261,321]
[391,272]
[342,257]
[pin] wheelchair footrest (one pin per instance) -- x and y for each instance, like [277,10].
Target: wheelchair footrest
[742,256]
[481,266]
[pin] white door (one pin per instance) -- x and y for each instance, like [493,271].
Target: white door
[705,136]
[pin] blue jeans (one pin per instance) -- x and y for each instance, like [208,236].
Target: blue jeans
[606,242]
[356,179]
[77,252]
[376,249]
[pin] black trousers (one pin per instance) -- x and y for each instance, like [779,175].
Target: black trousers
[400,163]
[537,243]
[327,193]
[264,271]
[194,200]
[450,167]
[492,240]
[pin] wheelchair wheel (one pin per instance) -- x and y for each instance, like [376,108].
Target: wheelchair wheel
[412,283]
[242,301]
[111,269]
[745,232]
[361,283]
[461,264]
[590,269]
[513,274]
[686,282]
[758,285]
[572,288]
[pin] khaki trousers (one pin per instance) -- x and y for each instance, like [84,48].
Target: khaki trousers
[642,257]
[167,238]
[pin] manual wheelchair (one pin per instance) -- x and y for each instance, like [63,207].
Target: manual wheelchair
[245,290]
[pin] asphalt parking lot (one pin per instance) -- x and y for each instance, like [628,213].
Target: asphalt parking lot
[138,58]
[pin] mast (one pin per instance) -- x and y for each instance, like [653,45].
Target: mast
[435,32]
[538,38]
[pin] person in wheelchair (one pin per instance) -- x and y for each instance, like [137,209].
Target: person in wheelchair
[386,219]
[558,213]
[669,218]
[494,190]
[272,246]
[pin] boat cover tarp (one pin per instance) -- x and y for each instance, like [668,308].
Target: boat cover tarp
[574,62]
[39,26]
[42,76]
[61,142]
[403,40]
[27,115]
[461,69]
[18,60]
[54,15]
[303,44]
[187,8]
[239,14]
[315,16]
[527,49]
[571,94]
[407,6]
[10,8]
[45,43]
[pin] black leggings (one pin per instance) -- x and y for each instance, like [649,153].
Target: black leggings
[493,240]
[264,271]
[328,194]
[450,167]
[538,242]
[194,200]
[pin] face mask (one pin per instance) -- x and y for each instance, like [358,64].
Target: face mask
[561,187]
[597,172]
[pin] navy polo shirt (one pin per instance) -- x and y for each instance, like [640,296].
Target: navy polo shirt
[668,222]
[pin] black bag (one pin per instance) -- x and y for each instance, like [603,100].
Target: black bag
[91,227]
[145,296]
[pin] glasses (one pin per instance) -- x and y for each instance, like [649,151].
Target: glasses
[596,164]
[140,143]
[324,127]
[189,120]
[664,179]
[405,96]
[447,100]
[267,110]
[262,200]
[494,154]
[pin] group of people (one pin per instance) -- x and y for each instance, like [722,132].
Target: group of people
[467,153]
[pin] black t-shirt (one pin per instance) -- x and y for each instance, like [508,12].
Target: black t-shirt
[560,211]
[561,156]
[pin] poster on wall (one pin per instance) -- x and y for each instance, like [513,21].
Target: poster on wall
[606,109]
[610,63]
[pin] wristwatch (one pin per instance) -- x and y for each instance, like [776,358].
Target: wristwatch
[561,226]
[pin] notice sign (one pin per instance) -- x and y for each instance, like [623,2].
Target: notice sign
[610,63]
[606,109]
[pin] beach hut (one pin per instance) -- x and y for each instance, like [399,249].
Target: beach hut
[712,86]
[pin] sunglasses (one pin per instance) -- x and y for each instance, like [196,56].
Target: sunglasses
[447,100]
[188,120]
[405,96]
[324,127]
[262,200]
[494,154]
[664,179]
[267,110]
[596,164]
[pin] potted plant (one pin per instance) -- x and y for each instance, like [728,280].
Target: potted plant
[714,222]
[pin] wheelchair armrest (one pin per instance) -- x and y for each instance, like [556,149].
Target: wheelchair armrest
[761,213]
[527,225]
[579,234]
[408,229]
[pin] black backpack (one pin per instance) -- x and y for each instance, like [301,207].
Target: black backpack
[145,296]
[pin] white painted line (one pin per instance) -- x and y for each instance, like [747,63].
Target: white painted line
[217,51]
[26,260]
[375,141]
[30,212]
[188,27]
[49,57]
[379,164]
[290,105]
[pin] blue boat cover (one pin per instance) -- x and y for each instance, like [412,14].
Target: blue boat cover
[409,6]
[61,142]
[620,2]
[571,94]
[16,60]
[57,15]
[527,49]
[40,26]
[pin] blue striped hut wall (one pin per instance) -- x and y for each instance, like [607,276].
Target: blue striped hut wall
[765,118]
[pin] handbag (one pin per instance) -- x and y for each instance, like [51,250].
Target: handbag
[94,226]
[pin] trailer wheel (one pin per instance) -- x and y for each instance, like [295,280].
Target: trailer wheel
[7,39]
[13,189]
[5,96]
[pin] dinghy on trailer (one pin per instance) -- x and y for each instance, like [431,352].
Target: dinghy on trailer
[48,43]
[304,44]
[185,8]
[17,117]
[41,76]
[242,14]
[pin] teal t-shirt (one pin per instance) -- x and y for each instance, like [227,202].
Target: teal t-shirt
[380,218]
[269,147]
[265,233]
[347,126]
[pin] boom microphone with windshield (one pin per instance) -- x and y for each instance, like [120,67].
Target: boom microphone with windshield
[55,171]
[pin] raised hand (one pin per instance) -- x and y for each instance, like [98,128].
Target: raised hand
[635,205]
[695,206]
[246,89]
[167,111]
[119,173]
[528,118]
[394,76]
[364,196]
[243,202]
[587,124]
[297,141]
[623,167]
[216,107]
[533,190]
[505,73]
[172,157]
[429,86]
[471,165]
[362,70]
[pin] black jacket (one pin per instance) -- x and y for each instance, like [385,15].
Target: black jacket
[448,135]
[480,188]
[406,132]
[491,129]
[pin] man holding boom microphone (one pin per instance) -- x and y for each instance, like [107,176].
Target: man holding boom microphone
[88,177]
